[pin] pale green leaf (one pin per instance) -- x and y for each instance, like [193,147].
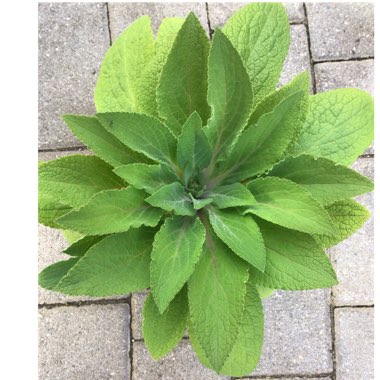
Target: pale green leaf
[117,265]
[294,261]
[143,134]
[264,292]
[81,246]
[112,211]
[287,204]
[216,300]
[339,126]
[182,87]
[232,195]
[326,181]
[199,203]
[123,67]
[50,209]
[260,33]
[147,177]
[172,198]
[162,332]
[229,95]
[241,234]
[73,180]
[106,146]
[51,275]
[176,250]
[71,236]
[347,216]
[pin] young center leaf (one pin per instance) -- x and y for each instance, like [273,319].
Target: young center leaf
[176,250]
[232,195]
[216,300]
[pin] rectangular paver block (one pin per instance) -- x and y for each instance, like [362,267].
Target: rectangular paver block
[340,30]
[123,14]
[87,342]
[354,343]
[73,38]
[353,258]
[180,364]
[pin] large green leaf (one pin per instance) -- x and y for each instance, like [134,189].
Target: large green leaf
[82,245]
[229,95]
[73,180]
[283,202]
[50,209]
[146,93]
[262,145]
[172,198]
[348,216]
[246,351]
[176,250]
[326,181]
[146,177]
[51,275]
[122,68]
[142,133]
[182,87]
[100,141]
[162,332]
[241,234]
[216,300]
[339,125]
[117,265]
[294,261]
[260,33]
[232,195]
[112,211]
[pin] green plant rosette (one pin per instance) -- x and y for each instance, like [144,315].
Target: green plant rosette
[206,185]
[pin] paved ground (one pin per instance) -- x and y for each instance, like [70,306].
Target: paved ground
[319,334]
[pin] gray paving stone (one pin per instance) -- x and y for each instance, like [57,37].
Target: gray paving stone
[73,38]
[87,342]
[123,14]
[180,364]
[341,30]
[220,12]
[297,336]
[353,258]
[354,343]
[356,74]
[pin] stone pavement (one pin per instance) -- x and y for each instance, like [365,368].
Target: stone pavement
[318,334]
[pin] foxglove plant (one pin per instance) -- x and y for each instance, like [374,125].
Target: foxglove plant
[207,185]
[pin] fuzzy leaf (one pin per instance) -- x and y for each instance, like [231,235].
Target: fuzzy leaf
[200,203]
[232,195]
[216,300]
[143,134]
[172,198]
[294,261]
[348,216]
[229,95]
[241,234]
[122,68]
[81,246]
[146,177]
[260,33]
[49,210]
[339,126]
[117,265]
[51,275]
[112,211]
[326,181]
[287,204]
[162,332]
[261,146]
[183,83]
[176,250]
[105,145]
[73,180]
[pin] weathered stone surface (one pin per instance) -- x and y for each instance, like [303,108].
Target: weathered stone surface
[123,14]
[219,13]
[87,342]
[73,38]
[340,30]
[355,74]
[353,258]
[297,335]
[180,364]
[137,303]
[354,343]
